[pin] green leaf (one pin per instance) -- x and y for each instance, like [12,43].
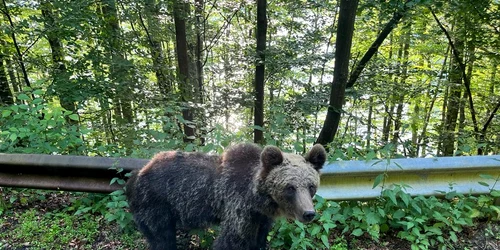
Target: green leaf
[37,101]
[495,193]
[357,232]
[117,192]
[483,184]
[316,229]
[324,239]
[23,97]
[406,198]
[486,176]
[391,194]
[123,204]
[13,136]
[370,156]
[416,207]
[372,218]
[6,112]
[74,117]
[453,236]
[378,180]
[398,214]
[381,212]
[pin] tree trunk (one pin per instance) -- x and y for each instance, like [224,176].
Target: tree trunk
[457,51]
[12,75]
[181,10]
[492,112]
[369,123]
[403,75]
[422,140]
[62,84]
[453,104]
[388,120]
[5,92]
[119,74]
[200,25]
[388,102]
[260,71]
[200,89]
[163,78]
[19,55]
[347,16]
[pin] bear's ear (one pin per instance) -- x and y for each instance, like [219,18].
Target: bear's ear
[271,156]
[316,156]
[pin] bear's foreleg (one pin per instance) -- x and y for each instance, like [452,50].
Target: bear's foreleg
[244,233]
[163,238]
[160,232]
[238,234]
[264,227]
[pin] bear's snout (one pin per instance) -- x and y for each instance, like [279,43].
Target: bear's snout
[308,216]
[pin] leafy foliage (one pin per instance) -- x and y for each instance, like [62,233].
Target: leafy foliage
[426,222]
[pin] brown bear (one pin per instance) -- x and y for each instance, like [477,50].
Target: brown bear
[243,191]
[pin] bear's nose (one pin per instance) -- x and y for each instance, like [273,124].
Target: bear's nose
[309,215]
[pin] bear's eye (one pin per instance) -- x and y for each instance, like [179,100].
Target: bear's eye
[290,189]
[312,189]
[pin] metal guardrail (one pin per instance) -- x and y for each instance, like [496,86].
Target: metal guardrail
[63,172]
[353,180]
[341,180]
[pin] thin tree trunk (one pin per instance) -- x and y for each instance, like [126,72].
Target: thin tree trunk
[388,102]
[5,92]
[347,16]
[403,69]
[492,112]
[422,140]
[153,32]
[455,93]
[369,123]
[62,85]
[376,44]
[414,129]
[19,55]
[200,89]
[457,51]
[200,25]
[119,75]
[181,10]
[388,120]
[260,71]
[12,75]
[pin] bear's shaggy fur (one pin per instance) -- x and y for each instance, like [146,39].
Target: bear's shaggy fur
[243,191]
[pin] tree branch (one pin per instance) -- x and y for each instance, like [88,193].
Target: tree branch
[19,54]
[461,65]
[487,124]
[360,66]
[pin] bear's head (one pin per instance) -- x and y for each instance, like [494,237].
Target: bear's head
[291,180]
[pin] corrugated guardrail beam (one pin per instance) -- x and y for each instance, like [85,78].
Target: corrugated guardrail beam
[353,180]
[342,180]
[63,172]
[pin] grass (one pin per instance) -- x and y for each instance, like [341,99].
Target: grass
[51,224]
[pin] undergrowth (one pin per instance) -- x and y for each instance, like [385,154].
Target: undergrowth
[425,222]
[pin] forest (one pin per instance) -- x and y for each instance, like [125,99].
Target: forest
[367,79]
[127,78]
